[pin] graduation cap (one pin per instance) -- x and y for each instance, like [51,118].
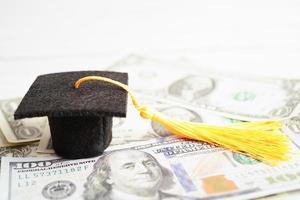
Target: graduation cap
[80,120]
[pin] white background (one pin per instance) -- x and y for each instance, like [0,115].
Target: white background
[37,37]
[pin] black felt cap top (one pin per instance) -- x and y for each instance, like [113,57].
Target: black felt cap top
[54,95]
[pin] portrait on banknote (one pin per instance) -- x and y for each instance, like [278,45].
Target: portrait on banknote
[129,174]
[191,88]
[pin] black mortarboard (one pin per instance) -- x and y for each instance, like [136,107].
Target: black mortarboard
[80,119]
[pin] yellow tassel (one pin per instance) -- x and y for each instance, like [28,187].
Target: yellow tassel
[262,140]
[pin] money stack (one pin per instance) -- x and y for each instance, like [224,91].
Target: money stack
[144,161]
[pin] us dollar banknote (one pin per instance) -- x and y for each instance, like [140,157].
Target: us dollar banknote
[236,96]
[165,168]
[20,131]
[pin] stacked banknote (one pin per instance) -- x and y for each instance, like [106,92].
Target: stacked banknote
[144,161]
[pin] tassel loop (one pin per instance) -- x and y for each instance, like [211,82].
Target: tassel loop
[147,113]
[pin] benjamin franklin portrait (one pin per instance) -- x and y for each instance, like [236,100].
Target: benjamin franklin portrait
[129,174]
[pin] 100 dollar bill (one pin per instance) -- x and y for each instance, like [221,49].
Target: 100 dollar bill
[162,168]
